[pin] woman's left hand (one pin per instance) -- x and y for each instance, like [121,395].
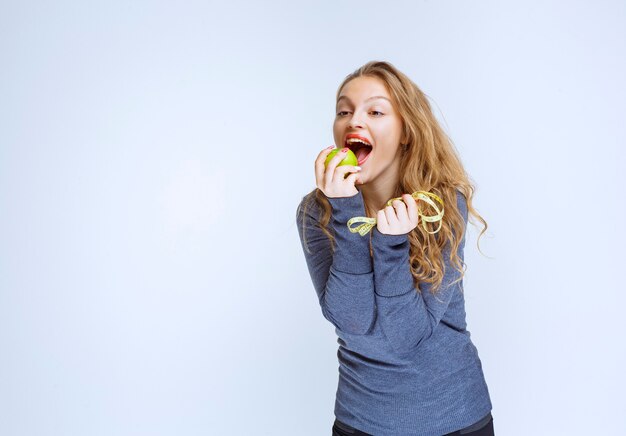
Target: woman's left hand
[399,219]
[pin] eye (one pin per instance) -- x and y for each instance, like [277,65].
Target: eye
[342,112]
[377,112]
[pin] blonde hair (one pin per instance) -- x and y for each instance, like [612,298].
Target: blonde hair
[429,163]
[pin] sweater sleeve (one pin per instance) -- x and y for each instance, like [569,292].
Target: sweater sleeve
[407,317]
[343,280]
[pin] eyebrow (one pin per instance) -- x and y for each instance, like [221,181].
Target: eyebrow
[367,99]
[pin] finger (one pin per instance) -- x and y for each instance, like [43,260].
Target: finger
[333,164]
[341,171]
[411,208]
[329,170]
[401,211]
[390,213]
[319,165]
[381,221]
[351,179]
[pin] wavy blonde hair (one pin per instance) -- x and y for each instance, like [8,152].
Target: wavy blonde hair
[429,163]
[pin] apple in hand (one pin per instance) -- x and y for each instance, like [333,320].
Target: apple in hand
[350,158]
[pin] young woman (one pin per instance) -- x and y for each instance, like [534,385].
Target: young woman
[407,365]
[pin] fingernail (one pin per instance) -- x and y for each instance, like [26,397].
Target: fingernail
[358,168]
[345,150]
[328,148]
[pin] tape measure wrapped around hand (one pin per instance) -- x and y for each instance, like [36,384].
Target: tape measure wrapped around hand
[369,223]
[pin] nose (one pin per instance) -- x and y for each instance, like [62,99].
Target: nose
[355,121]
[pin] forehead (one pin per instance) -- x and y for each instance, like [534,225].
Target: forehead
[363,88]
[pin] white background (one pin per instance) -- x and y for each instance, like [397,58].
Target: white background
[152,156]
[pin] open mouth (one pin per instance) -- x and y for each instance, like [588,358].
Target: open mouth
[360,148]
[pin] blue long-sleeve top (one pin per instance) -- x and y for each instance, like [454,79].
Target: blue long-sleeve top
[407,365]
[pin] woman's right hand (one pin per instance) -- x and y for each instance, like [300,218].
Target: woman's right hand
[332,180]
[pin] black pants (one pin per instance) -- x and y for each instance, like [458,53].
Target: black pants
[341,429]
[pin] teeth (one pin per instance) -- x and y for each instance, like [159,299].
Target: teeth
[356,140]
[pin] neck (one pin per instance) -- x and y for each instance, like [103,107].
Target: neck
[378,192]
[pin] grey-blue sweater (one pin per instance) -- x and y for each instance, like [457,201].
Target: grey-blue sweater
[407,365]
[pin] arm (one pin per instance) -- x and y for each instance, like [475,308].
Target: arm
[408,318]
[343,280]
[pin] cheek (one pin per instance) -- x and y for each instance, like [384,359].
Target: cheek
[338,131]
[392,128]
[335,128]
[390,144]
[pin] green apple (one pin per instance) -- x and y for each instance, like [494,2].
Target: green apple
[350,158]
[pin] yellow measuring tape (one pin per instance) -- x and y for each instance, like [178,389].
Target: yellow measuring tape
[369,223]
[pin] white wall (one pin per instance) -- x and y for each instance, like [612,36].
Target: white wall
[152,156]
